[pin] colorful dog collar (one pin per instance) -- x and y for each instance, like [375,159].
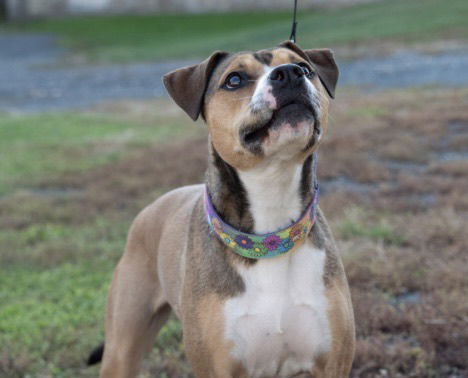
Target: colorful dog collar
[255,246]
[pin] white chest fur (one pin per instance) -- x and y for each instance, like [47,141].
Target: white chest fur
[279,325]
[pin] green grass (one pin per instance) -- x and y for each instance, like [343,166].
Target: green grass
[134,38]
[54,268]
[41,309]
[53,306]
[54,273]
[32,147]
[358,223]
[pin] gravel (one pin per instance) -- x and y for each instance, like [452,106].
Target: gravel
[408,69]
[33,78]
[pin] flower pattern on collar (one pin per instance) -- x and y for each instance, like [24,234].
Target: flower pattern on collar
[255,246]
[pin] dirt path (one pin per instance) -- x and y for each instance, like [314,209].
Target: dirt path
[33,79]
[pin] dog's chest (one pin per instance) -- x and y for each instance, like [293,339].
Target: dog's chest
[279,325]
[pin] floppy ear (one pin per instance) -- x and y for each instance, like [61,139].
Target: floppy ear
[187,86]
[323,61]
[327,69]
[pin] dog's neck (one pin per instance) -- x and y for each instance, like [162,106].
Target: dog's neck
[263,199]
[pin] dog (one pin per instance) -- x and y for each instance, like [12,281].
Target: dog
[246,261]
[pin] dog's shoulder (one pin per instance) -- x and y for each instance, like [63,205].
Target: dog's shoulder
[172,202]
[172,208]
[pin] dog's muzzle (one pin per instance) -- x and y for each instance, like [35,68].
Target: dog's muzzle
[293,104]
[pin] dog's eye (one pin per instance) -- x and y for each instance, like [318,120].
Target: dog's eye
[306,69]
[233,81]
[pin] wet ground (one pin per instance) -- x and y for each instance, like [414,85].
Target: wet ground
[33,77]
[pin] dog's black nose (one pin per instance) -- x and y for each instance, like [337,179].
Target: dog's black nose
[286,74]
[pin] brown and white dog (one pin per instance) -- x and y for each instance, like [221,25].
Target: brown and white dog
[287,316]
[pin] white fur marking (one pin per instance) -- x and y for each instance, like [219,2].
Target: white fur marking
[314,97]
[273,192]
[262,95]
[264,98]
[279,325]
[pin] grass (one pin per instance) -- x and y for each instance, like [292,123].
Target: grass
[57,251]
[53,302]
[53,293]
[148,37]
[55,263]
[35,146]
[360,224]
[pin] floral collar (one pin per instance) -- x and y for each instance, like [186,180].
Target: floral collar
[255,246]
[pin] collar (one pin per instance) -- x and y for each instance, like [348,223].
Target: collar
[256,246]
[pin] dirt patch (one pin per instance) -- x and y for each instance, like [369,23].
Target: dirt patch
[158,168]
[125,186]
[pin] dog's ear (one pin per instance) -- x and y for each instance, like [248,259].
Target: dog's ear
[323,61]
[187,86]
[327,69]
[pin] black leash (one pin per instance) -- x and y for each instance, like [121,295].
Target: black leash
[292,38]
[294,25]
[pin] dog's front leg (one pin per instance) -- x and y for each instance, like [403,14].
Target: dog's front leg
[136,310]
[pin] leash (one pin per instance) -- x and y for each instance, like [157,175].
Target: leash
[257,246]
[292,37]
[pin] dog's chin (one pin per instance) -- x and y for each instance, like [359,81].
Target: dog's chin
[294,125]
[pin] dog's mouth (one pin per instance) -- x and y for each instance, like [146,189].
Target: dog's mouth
[253,136]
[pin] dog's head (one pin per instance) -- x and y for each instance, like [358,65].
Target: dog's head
[270,103]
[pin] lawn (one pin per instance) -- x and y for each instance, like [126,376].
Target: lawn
[37,146]
[399,218]
[149,37]
[57,246]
